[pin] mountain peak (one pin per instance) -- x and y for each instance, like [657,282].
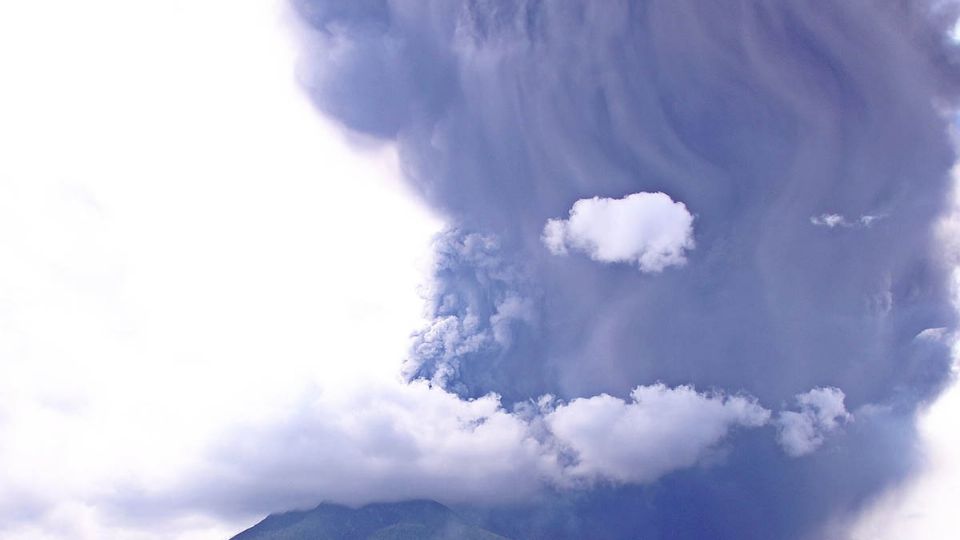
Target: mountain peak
[419,519]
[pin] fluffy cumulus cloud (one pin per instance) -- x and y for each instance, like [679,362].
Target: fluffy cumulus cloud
[657,430]
[650,230]
[821,413]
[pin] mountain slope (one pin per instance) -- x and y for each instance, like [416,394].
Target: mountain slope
[410,520]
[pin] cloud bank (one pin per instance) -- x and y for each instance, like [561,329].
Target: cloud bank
[648,229]
[402,441]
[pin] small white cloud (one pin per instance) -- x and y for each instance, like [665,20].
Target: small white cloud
[933,334]
[868,220]
[831,221]
[554,236]
[821,412]
[649,229]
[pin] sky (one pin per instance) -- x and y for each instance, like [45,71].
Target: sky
[663,269]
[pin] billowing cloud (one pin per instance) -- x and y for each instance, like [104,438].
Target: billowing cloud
[479,307]
[755,116]
[650,230]
[821,412]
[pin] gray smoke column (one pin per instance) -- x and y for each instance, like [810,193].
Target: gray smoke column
[807,144]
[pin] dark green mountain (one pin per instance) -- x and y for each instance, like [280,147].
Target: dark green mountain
[410,520]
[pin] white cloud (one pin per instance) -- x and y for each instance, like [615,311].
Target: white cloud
[659,430]
[649,229]
[821,413]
